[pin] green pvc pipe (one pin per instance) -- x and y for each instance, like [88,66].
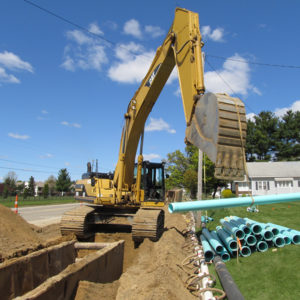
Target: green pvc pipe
[262,246]
[224,254]
[278,241]
[216,245]
[227,239]
[233,229]
[245,251]
[177,207]
[267,234]
[208,251]
[240,226]
[250,240]
[255,227]
[294,235]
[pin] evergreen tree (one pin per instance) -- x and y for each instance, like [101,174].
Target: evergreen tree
[63,182]
[46,190]
[288,147]
[10,187]
[31,186]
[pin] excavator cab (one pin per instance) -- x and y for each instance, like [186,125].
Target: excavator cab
[153,181]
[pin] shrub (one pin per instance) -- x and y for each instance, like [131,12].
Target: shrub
[227,194]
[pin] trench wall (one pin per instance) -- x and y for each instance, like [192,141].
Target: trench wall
[25,273]
[105,265]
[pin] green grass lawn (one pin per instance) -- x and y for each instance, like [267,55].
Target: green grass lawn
[272,274]
[31,201]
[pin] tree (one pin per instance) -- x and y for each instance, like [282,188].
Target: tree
[31,186]
[51,181]
[265,134]
[288,147]
[250,149]
[46,190]
[20,187]
[63,182]
[10,187]
[210,182]
[183,172]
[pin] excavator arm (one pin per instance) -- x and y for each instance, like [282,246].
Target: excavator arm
[215,122]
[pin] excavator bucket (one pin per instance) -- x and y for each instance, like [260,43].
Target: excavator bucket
[218,128]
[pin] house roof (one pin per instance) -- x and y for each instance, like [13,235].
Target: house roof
[282,169]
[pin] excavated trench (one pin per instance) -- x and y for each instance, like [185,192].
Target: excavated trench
[42,265]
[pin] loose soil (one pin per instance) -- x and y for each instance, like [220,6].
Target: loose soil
[18,238]
[151,271]
[16,235]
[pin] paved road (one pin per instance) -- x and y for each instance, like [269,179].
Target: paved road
[43,215]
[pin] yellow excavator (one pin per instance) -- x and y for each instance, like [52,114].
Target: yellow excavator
[216,124]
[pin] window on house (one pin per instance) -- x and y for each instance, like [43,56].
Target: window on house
[285,183]
[298,183]
[262,185]
[243,185]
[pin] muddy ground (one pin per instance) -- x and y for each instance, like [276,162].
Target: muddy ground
[151,271]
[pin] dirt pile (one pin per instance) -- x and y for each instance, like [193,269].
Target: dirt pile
[16,235]
[151,271]
[157,273]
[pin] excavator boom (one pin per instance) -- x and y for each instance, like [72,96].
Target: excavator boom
[215,123]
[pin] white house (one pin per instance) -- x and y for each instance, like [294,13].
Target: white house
[267,178]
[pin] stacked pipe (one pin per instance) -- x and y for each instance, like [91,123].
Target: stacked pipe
[245,236]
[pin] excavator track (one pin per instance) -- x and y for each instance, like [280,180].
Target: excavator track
[148,223]
[77,221]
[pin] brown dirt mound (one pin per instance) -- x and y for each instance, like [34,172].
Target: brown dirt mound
[16,235]
[151,271]
[157,273]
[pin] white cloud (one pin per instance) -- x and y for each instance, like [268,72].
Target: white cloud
[44,112]
[132,27]
[84,52]
[94,28]
[67,164]
[159,125]
[79,37]
[233,77]
[19,136]
[215,35]
[151,156]
[12,61]
[47,155]
[65,123]
[7,78]
[251,116]
[280,112]
[131,68]
[154,31]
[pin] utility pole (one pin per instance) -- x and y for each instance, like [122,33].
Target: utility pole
[199,192]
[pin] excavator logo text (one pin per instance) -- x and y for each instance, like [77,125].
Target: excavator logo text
[152,76]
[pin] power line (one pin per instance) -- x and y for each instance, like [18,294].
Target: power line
[255,63]
[214,70]
[135,53]
[69,22]
[26,170]
[29,164]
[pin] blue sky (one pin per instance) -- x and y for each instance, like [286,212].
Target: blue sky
[64,92]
